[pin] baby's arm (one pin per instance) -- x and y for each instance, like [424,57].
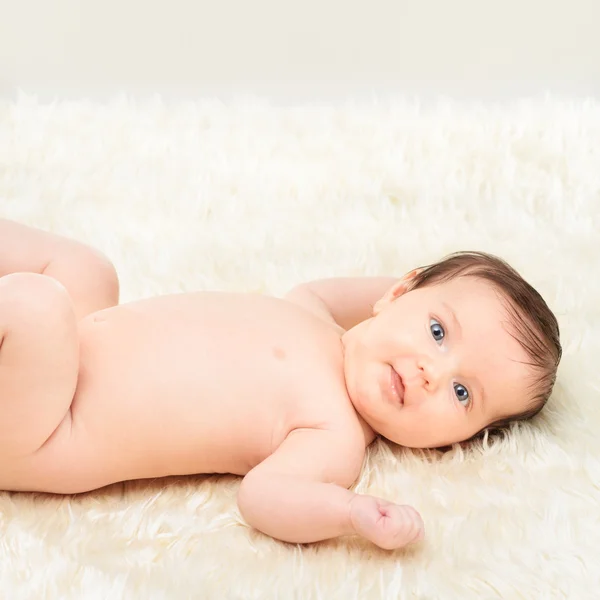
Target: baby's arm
[299,495]
[346,300]
[88,275]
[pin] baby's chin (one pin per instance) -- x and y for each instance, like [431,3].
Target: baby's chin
[363,405]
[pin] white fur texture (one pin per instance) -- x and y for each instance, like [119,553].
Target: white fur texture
[248,196]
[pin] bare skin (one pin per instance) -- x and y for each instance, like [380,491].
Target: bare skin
[285,392]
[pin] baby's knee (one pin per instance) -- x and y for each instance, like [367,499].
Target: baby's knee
[106,276]
[27,295]
[91,279]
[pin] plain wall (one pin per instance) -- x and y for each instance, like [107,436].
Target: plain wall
[300,50]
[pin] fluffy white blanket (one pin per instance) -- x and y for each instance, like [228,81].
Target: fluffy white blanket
[249,196]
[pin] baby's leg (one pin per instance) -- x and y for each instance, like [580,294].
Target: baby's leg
[39,361]
[87,274]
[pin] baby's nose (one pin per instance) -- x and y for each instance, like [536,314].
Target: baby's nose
[430,371]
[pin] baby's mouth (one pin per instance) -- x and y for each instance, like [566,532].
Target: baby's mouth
[397,386]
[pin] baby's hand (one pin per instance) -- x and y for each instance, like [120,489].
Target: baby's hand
[386,524]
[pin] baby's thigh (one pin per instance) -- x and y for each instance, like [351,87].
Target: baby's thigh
[39,361]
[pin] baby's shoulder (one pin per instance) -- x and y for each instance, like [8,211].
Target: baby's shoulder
[324,405]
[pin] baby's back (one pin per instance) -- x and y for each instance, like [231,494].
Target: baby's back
[190,383]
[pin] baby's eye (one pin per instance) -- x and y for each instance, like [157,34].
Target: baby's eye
[461,393]
[437,331]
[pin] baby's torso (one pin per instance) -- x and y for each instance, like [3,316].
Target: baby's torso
[195,383]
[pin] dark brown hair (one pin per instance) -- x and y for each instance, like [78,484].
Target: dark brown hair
[534,325]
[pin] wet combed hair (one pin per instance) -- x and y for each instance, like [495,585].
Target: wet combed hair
[533,324]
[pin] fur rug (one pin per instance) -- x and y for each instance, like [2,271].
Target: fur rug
[249,196]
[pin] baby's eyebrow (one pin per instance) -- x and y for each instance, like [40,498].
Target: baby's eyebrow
[481,396]
[454,317]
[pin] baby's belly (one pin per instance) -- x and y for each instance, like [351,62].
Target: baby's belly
[203,383]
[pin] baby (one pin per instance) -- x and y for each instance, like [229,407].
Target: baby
[285,392]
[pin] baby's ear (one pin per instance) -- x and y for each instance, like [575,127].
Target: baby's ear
[393,293]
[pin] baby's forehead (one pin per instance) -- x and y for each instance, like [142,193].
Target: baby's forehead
[469,290]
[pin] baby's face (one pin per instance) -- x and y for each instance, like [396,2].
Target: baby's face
[436,365]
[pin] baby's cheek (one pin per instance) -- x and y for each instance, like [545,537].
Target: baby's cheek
[398,337]
[437,422]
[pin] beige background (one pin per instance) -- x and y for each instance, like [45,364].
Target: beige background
[300,50]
